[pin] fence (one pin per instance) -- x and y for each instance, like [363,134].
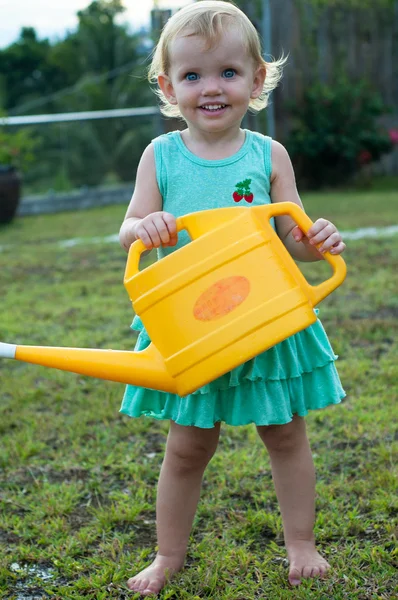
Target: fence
[324,41]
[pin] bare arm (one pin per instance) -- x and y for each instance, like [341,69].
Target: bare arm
[283,189]
[144,218]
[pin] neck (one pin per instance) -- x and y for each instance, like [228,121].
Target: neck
[213,145]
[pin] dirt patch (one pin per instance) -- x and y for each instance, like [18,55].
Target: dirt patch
[23,477]
[78,518]
[34,593]
[385,313]
[143,529]
[65,475]
[8,537]
[155,443]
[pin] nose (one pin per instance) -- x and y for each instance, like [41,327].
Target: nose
[211,86]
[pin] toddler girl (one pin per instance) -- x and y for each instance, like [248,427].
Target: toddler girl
[209,71]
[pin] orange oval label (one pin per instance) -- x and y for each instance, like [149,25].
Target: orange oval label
[221,298]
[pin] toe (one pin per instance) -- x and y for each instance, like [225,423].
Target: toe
[315,572]
[307,572]
[294,576]
[153,588]
[323,569]
[143,585]
[131,583]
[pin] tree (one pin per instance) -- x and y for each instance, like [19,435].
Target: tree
[26,71]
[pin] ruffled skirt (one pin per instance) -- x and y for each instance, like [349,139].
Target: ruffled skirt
[293,377]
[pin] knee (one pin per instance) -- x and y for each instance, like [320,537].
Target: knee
[283,439]
[190,456]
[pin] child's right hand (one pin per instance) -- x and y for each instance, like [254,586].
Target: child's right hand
[157,229]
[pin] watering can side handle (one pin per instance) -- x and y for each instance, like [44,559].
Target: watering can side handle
[138,247]
[315,292]
[133,259]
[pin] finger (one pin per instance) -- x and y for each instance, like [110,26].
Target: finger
[297,234]
[317,227]
[171,223]
[173,240]
[324,234]
[162,230]
[142,234]
[338,249]
[153,234]
[331,241]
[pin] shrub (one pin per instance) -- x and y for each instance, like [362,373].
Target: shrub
[335,131]
[16,153]
[17,148]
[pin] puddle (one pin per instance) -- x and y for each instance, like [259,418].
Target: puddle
[33,572]
[32,575]
[34,595]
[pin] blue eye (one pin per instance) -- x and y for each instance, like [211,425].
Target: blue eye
[191,76]
[229,73]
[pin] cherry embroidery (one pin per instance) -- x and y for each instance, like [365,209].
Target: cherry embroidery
[243,191]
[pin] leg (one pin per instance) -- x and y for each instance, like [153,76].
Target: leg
[294,477]
[188,451]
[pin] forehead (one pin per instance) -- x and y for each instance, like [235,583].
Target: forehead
[188,46]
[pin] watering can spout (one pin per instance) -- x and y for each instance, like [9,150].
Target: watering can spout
[144,369]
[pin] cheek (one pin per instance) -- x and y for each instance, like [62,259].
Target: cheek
[188,95]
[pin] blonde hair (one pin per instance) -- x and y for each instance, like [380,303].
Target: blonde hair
[209,19]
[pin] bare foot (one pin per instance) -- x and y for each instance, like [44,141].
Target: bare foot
[151,580]
[305,561]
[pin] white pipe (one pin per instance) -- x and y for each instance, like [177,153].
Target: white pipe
[80,116]
[7,350]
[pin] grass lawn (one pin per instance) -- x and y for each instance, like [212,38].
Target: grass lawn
[78,480]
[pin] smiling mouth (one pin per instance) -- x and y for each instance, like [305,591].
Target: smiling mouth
[213,107]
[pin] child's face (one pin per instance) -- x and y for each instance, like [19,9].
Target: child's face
[212,87]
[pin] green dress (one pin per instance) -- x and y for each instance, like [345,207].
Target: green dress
[293,377]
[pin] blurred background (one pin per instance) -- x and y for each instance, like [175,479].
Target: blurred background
[76,110]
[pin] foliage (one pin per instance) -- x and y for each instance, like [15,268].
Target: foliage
[335,131]
[28,71]
[358,4]
[17,148]
[78,480]
[100,65]
[97,67]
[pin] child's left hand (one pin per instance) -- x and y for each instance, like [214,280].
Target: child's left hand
[322,231]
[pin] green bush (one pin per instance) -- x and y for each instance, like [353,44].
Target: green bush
[17,148]
[335,131]
[16,153]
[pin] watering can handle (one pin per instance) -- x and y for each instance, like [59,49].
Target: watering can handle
[315,292]
[196,224]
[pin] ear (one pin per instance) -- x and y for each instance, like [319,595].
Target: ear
[258,81]
[167,88]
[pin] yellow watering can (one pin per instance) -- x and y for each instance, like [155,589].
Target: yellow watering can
[230,294]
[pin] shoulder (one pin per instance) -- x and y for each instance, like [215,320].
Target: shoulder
[165,148]
[281,163]
[147,159]
[259,138]
[166,139]
[279,151]
[157,147]
[260,147]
